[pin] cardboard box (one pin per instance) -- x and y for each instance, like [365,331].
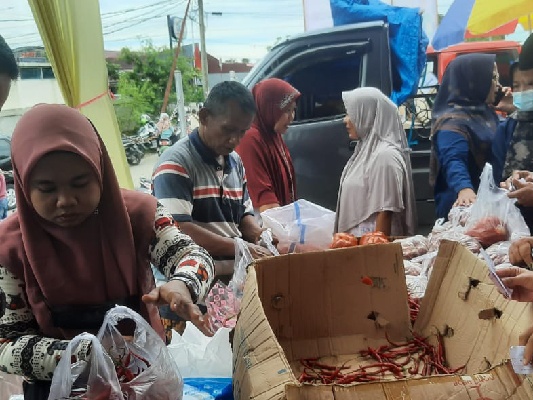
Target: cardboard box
[315,305]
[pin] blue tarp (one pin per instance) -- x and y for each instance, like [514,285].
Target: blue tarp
[408,41]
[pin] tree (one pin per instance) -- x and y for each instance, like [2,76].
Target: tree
[142,88]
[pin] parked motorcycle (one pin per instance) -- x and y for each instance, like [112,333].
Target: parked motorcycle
[148,133]
[145,186]
[134,153]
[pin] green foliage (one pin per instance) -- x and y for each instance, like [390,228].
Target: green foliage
[141,86]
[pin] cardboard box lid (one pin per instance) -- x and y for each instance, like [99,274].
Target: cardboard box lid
[461,301]
[317,304]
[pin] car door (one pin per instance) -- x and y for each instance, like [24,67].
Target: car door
[321,66]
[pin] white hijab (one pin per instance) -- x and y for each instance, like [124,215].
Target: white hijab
[378,175]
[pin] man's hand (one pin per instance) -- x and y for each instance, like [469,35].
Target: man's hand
[523,193]
[250,229]
[520,252]
[258,251]
[176,294]
[465,198]
[520,280]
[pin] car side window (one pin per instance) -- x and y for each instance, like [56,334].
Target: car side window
[321,78]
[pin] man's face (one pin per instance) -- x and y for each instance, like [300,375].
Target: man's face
[222,133]
[522,80]
[5,85]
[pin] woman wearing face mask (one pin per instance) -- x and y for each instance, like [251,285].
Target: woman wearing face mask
[376,188]
[513,145]
[463,129]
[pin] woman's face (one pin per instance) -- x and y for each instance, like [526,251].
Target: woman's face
[64,189]
[350,127]
[286,119]
[522,80]
[494,86]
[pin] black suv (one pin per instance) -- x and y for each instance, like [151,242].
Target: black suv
[5,165]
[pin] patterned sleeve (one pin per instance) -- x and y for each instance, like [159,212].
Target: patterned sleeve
[178,257]
[22,350]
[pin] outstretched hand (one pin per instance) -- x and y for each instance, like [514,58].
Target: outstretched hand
[176,294]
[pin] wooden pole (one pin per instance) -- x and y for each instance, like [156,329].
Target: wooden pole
[203,51]
[175,60]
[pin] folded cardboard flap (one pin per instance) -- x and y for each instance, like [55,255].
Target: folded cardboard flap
[323,304]
[478,329]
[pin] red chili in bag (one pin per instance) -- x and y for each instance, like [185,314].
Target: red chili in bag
[489,230]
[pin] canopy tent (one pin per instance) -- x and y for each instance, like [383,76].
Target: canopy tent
[72,35]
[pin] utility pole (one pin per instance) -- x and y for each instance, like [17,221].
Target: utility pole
[203,51]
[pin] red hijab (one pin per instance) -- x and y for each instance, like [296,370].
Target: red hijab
[274,171]
[106,257]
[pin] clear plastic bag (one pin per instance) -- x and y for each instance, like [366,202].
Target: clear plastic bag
[243,258]
[417,284]
[455,235]
[494,216]
[85,379]
[459,216]
[499,253]
[413,246]
[300,227]
[156,375]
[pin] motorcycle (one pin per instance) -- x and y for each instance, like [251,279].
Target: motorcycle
[134,154]
[145,186]
[170,135]
[148,133]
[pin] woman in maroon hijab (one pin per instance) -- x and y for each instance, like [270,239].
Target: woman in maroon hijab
[266,159]
[78,245]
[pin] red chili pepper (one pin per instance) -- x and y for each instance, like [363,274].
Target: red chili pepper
[366,280]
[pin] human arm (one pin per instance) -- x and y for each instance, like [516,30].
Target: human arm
[523,193]
[453,153]
[23,350]
[384,222]
[173,187]
[260,182]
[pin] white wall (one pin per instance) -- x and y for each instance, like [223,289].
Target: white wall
[25,94]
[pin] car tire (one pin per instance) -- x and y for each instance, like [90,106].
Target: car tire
[11,197]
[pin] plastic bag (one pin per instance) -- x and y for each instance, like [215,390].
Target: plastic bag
[199,356]
[206,388]
[10,385]
[413,246]
[222,306]
[93,379]
[300,227]
[459,216]
[243,258]
[156,375]
[499,253]
[455,235]
[412,268]
[494,216]
[417,284]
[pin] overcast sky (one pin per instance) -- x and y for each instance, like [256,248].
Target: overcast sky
[244,30]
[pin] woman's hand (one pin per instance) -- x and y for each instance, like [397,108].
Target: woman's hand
[465,198]
[520,280]
[506,103]
[176,294]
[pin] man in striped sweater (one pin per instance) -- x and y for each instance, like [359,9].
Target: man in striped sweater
[202,182]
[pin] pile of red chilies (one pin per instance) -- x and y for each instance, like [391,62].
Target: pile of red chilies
[124,374]
[416,357]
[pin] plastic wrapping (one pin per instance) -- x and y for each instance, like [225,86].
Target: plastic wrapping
[499,253]
[494,216]
[300,227]
[156,373]
[413,246]
[455,235]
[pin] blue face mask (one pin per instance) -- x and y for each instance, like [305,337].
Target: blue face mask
[523,100]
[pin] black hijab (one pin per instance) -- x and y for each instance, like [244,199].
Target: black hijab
[460,106]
